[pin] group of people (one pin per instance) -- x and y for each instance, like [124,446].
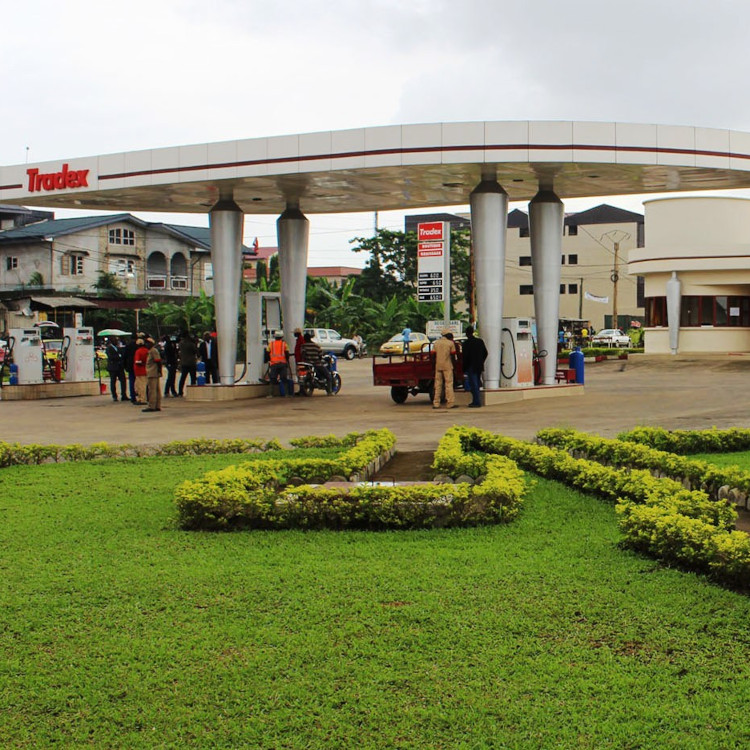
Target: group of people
[305,350]
[474,354]
[135,367]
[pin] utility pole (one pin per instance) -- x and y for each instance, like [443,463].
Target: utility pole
[616,236]
[615,279]
[580,298]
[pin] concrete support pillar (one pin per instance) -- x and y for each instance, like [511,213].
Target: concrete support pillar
[674,302]
[489,219]
[546,230]
[293,231]
[226,220]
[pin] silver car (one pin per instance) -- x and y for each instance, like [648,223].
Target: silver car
[332,341]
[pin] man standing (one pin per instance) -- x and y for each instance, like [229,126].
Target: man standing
[153,374]
[115,368]
[444,351]
[188,358]
[209,355]
[139,369]
[128,354]
[406,337]
[474,355]
[278,360]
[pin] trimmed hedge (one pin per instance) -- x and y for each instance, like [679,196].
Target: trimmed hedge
[699,474]
[251,496]
[657,516]
[15,454]
[685,442]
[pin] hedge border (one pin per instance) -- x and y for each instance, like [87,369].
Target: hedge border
[685,442]
[254,497]
[657,516]
[719,482]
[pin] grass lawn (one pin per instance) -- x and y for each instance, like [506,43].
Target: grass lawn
[119,630]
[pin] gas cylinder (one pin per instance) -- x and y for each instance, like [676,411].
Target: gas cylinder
[14,374]
[575,362]
[201,372]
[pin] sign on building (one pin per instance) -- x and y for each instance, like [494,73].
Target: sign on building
[433,257]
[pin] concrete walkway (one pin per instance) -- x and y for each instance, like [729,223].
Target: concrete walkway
[684,393]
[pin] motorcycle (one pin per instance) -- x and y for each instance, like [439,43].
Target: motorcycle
[312,377]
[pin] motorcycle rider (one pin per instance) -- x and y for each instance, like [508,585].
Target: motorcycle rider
[313,354]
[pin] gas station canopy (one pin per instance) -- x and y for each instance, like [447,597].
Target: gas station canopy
[391,167]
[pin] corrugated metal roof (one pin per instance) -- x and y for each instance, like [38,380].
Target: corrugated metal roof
[58,302]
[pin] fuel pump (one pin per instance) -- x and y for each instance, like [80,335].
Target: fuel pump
[517,353]
[80,354]
[263,318]
[26,345]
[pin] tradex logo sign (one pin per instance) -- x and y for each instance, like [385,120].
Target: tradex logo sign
[62,180]
[431,230]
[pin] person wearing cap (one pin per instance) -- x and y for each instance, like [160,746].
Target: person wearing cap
[153,375]
[278,360]
[444,351]
[139,370]
[474,355]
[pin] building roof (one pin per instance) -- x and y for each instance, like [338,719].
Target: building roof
[321,271]
[198,236]
[604,214]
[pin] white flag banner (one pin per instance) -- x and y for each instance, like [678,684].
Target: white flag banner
[594,298]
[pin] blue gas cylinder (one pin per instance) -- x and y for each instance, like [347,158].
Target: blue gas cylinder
[13,374]
[201,372]
[575,362]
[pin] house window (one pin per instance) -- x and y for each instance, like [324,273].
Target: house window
[121,237]
[572,288]
[573,230]
[72,265]
[573,259]
[523,231]
[124,267]
[524,260]
[562,260]
[526,289]
[11,263]
[562,288]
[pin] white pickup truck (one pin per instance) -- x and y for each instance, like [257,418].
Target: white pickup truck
[332,341]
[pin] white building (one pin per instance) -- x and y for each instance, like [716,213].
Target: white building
[697,257]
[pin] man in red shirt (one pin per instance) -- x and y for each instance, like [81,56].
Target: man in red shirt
[139,370]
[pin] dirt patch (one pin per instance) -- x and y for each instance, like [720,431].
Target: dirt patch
[408,466]
[743,520]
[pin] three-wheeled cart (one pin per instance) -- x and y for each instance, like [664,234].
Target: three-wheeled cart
[411,373]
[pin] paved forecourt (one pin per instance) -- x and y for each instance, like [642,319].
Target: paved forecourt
[685,393]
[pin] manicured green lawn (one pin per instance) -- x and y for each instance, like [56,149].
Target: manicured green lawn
[119,630]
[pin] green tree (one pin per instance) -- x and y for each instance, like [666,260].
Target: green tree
[108,285]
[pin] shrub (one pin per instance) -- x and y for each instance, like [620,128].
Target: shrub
[685,442]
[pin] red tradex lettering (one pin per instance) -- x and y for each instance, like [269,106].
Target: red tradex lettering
[66,178]
[430,230]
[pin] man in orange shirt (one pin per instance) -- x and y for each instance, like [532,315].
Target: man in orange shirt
[444,350]
[278,359]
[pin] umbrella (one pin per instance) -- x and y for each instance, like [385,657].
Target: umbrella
[113,332]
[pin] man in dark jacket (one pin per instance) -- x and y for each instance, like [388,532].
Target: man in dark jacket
[209,355]
[115,368]
[188,357]
[128,354]
[475,353]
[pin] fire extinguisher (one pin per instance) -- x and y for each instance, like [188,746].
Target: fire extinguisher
[58,369]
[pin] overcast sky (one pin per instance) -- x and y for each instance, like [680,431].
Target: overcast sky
[85,77]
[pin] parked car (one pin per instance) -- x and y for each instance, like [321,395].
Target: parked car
[332,341]
[395,344]
[611,337]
